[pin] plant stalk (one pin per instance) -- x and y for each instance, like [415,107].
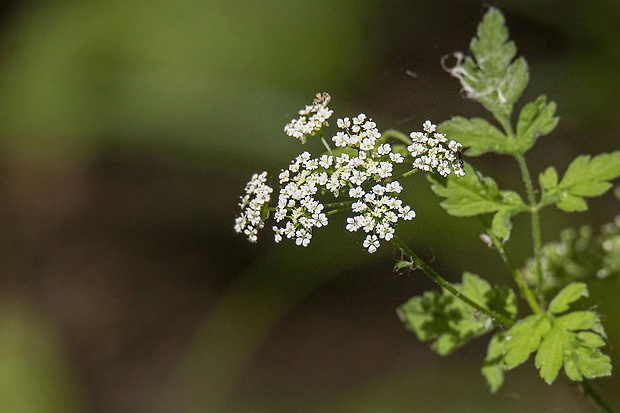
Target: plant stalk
[419,263]
[516,274]
[536,237]
[588,391]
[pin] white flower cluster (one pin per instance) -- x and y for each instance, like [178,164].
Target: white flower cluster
[257,194]
[434,153]
[311,120]
[296,202]
[362,169]
[376,206]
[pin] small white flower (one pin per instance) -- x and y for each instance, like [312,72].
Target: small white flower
[396,157]
[372,243]
[384,149]
[303,237]
[358,206]
[343,123]
[429,127]
[352,224]
[407,213]
[378,189]
[356,192]
[394,186]
[326,161]
[455,146]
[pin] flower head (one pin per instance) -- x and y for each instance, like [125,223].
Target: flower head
[432,152]
[312,119]
[361,170]
[297,208]
[257,194]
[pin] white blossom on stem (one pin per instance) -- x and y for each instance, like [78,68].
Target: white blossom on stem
[432,152]
[311,120]
[257,194]
[362,171]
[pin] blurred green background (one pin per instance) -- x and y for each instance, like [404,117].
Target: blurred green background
[128,130]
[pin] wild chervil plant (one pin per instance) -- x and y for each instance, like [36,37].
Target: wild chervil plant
[361,174]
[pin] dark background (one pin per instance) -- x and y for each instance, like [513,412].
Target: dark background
[128,130]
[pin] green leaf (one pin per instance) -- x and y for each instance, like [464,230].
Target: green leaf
[574,342]
[568,295]
[585,171]
[474,194]
[570,203]
[551,354]
[449,322]
[492,79]
[502,300]
[524,338]
[581,320]
[492,41]
[571,340]
[493,367]
[586,176]
[536,119]
[583,360]
[549,179]
[468,195]
[478,135]
[501,225]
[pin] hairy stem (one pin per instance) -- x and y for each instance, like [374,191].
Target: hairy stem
[588,391]
[536,237]
[419,263]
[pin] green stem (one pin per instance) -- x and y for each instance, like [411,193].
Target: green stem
[419,263]
[339,204]
[516,274]
[588,391]
[536,237]
[406,174]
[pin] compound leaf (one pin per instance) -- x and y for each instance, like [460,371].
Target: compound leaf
[449,322]
[585,177]
[524,338]
[478,135]
[492,79]
[574,342]
[474,194]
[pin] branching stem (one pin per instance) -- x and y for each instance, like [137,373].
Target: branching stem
[536,237]
[419,263]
